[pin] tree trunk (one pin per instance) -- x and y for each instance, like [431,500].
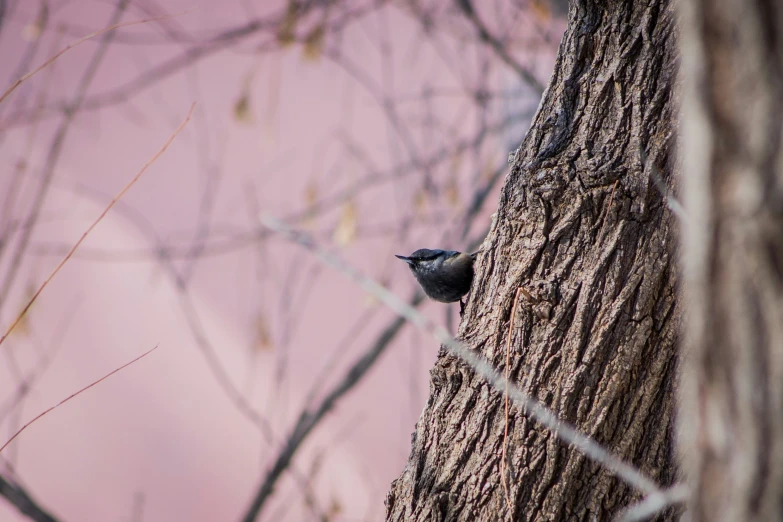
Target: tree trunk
[583,230]
[732,393]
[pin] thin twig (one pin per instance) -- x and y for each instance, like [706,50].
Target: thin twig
[27,381]
[310,417]
[226,39]
[503,474]
[70,46]
[608,208]
[97,220]
[53,155]
[74,395]
[539,412]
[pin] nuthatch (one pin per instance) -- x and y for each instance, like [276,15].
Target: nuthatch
[444,275]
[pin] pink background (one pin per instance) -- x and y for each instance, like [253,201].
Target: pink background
[161,440]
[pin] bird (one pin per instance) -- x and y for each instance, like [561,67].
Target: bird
[444,275]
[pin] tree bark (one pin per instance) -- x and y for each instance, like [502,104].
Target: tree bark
[731,433]
[583,230]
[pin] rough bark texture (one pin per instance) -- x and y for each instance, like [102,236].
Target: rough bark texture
[581,227]
[732,394]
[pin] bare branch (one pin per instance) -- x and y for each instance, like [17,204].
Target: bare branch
[539,412]
[53,155]
[310,417]
[467,8]
[74,395]
[21,499]
[94,223]
[222,41]
[655,503]
[70,46]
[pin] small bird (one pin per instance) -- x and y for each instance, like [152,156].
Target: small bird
[445,275]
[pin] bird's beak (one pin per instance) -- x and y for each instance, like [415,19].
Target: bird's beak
[406,259]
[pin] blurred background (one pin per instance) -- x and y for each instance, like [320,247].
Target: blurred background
[378,127]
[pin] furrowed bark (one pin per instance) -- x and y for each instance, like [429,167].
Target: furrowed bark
[582,228]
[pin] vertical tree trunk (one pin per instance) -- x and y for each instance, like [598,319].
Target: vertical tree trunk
[732,394]
[583,229]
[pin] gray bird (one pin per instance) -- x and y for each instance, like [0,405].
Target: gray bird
[445,275]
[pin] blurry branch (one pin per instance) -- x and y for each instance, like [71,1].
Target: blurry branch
[21,500]
[137,512]
[655,503]
[11,198]
[271,22]
[209,195]
[27,382]
[213,362]
[467,8]
[278,36]
[532,407]
[53,156]
[40,26]
[310,417]
[479,196]
[14,493]
[351,335]
[655,174]
[239,240]
[314,413]
[94,223]
[384,102]
[229,38]
[74,395]
[51,60]
[163,256]
[148,78]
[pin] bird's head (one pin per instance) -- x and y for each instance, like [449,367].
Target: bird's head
[424,259]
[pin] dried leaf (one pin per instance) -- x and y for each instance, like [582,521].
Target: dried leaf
[420,201]
[452,192]
[311,198]
[311,194]
[242,112]
[314,44]
[541,9]
[334,510]
[286,32]
[263,338]
[34,30]
[489,170]
[345,232]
